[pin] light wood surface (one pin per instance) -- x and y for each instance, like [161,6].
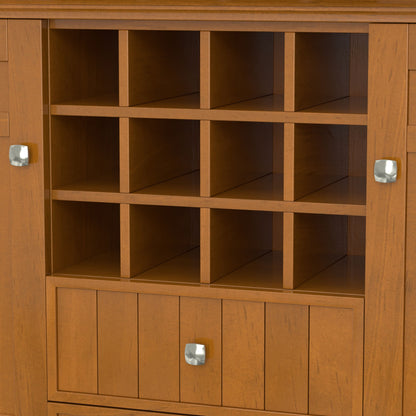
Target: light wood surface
[117,344]
[159,347]
[385,228]
[409,399]
[243,354]
[200,322]
[77,340]
[286,358]
[332,363]
[27,220]
[412,46]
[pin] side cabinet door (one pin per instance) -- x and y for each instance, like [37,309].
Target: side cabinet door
[22,224]
[386,216]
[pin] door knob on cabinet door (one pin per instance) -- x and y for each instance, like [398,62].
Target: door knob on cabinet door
[19,155]
[195,354]
[385,171]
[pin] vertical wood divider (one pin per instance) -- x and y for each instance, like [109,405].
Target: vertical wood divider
[124,143]
[125,250]
[288,249]
[205,245]
[123,67]
[289,92]
[289,163]
[205,159]
[205,69]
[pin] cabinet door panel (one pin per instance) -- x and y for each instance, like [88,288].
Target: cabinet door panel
[287,347]
[201,323]
[333,361]
[159,347]
[77,340]
[118,373]
[243,354]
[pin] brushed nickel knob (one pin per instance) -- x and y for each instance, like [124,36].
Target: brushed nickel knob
[19,155]
[195,354]
[385,171]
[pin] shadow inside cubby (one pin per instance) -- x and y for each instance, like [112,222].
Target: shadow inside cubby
[85,154]
[86,239]
[164,157]
[330,164]
[246,160]
[247,71]
[331,72]
[329,254]
[164,68]
[164,244]
[84,67]
[246,249]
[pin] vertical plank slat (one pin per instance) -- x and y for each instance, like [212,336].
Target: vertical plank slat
[205,245]
[28,94]
[331,361]
[385,229]
[205,80]
[77,340]
[287,347]
[243,354]
[200,322]
[289,88]
[117,344]
[123,63]
[409,405]
[159,347]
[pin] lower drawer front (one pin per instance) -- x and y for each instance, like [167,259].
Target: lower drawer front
[58,409]
[115,346]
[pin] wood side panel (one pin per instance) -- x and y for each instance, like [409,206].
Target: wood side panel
[331,362]
[412,46]
[412,98]
[159,347]
[117,344]
[409,405]
[287,358]
[200,322]
[243,354]
[77,340]
[385,225]
[27,217]
[7,363]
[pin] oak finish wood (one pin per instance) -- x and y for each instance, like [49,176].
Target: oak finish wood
[200,322]
[243,354]
[77,340]
[27,93]
[117,344]
[385,228]
[286,358]
[409,400]
[159,347]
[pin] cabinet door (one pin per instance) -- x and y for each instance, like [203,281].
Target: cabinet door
[386,211]
[22,221]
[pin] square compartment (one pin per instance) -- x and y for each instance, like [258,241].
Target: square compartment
[84,67]
[85,154]
[329,254]
[246,70]
[164,157]
[164,244]
[246,249]
[86,239]
[331,72]
[330,164]
[246,160]
[164,68]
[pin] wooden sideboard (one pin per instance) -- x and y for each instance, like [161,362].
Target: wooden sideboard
[204,172]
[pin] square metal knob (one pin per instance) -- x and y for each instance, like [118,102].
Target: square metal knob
[19,155]
[195,354]
[385,171]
